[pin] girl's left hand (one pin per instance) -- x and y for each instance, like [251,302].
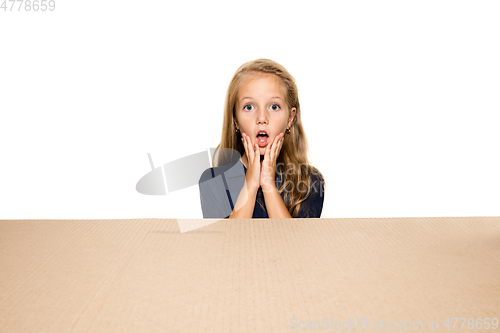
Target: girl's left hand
[268,167]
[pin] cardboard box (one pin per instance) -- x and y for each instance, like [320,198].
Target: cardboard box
[269,275]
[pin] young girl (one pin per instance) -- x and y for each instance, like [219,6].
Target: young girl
[262,125]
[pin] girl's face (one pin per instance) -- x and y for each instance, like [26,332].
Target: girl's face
[261,107]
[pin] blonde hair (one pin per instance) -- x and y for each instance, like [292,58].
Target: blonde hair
[294,150]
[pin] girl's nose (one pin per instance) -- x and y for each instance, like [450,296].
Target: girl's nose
[262,116]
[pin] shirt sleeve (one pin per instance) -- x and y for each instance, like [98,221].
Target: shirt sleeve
[313,205]
[213,196]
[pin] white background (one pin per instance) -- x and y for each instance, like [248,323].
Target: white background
[400,101]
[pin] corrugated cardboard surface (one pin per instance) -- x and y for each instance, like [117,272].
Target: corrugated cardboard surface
[143,275]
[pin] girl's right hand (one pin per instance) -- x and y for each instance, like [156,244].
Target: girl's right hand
[253,157]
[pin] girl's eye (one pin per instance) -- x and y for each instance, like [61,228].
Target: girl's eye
[248,107]
[275,107]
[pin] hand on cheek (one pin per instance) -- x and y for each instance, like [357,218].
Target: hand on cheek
[253,157]
[267,174]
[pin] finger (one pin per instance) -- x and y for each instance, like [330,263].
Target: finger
[267,153]
[280,144]
[272,153]
[256,154]
[244,144]
[251,148]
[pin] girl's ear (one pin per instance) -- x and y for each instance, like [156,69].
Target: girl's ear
[293,112]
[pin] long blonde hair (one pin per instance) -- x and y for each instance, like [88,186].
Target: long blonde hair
[294,150]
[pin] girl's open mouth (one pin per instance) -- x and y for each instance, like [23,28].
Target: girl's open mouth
[262,139]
